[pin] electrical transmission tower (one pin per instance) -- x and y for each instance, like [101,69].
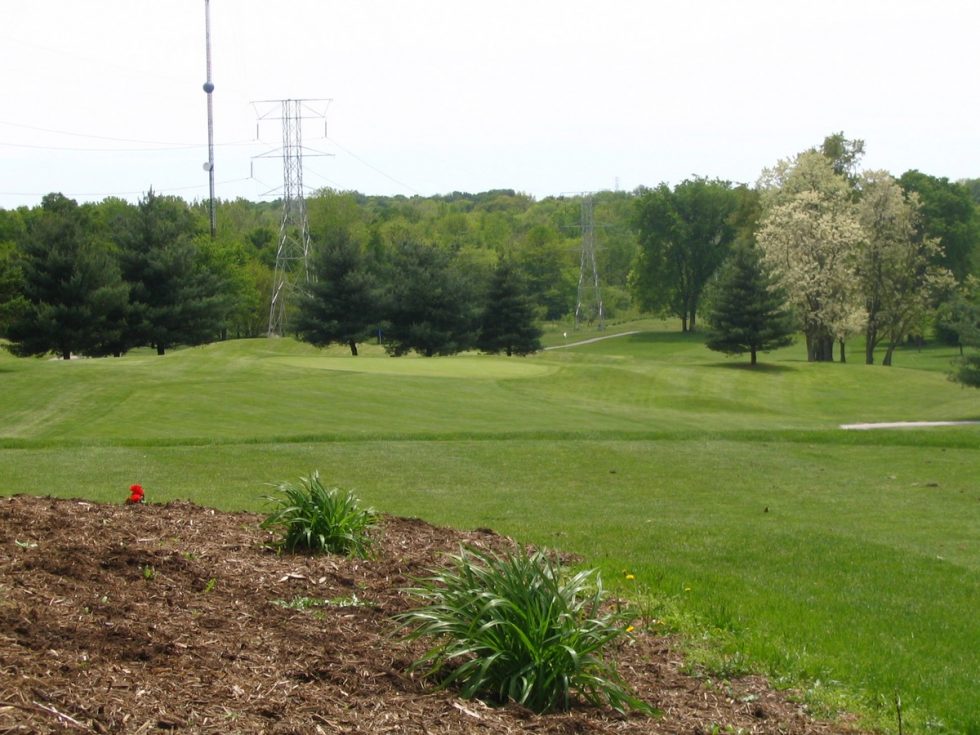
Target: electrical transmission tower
[588,305]
[292,254]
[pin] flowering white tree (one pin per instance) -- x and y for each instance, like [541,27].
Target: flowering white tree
[810,237]
[898,281]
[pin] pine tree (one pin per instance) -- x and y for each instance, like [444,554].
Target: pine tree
[74,299]
[430,305]
[508,323]
[174,299]
[341,304]
[748,312]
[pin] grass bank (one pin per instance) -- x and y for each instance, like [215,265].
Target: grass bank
[848,561]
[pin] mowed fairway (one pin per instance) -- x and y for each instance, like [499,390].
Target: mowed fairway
[845,561]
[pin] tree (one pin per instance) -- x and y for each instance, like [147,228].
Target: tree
[175,299]
[12,302]
[340,304]
[429,308]
[684,235]
[948,213]
[508,323]
[961,315]
[897,279]
[74,299]
[844,154]
[809,236]
[748,311]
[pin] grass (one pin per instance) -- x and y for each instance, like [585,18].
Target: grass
[517,627]
[807,552]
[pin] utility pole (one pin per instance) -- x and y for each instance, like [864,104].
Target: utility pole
[292,254]
[208,89]
[588,304]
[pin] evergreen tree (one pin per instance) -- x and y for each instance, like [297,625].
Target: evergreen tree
[748,312]
[508,323]
[430,307]
[340,305]
[175,300]
[74,299]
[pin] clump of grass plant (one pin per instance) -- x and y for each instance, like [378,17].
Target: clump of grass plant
[316,519]
[514,627]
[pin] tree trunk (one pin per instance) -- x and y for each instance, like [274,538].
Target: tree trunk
[819,348]
[888,356]
[684,322]
[692,319]
[752,361]
[161,348]
[871,339]
[510,351]
[353,347]
[843,351]
[66,354]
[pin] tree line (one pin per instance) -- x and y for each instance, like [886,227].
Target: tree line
[847,251]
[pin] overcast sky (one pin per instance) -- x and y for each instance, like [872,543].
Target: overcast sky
[105,97]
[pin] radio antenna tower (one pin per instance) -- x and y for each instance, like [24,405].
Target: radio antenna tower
[292,255]
[588,304]
[208,89]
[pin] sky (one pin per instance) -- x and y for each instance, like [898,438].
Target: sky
[546,97]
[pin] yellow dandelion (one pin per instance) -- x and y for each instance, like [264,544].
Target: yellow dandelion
[630,576]
[630,628]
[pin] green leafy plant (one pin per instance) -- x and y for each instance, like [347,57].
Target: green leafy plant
[321,520]
[513,627]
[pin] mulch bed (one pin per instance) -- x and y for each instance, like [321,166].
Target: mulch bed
[177,618]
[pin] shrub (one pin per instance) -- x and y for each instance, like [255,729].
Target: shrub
[512,627]
[320,520]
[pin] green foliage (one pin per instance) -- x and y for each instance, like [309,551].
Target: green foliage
[748,311]
[340,304]
[173,301]
[320,520]
[508,323]
[513,628]
[430,307]
[685,234]
[844,154]
[950,214]
[73,298]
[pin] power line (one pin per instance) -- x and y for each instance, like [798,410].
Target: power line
[170,145]
[118,193]
[374,168]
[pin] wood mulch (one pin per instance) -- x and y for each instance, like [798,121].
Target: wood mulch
[177,618]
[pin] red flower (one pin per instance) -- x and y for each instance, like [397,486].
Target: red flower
[135,494]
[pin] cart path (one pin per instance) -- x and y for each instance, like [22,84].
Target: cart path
[594,339]
[905,425]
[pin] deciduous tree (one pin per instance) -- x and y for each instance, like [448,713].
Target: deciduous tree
[895,270]
[684,235]
[809,236]
[949,214]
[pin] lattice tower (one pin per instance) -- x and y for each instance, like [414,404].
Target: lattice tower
[588,304]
